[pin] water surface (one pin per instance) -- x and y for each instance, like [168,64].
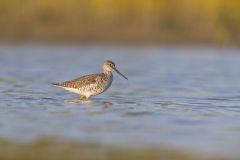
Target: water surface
[186,98]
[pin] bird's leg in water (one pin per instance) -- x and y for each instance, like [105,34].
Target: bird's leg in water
[82,97]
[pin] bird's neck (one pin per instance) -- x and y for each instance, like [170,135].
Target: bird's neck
[108,73]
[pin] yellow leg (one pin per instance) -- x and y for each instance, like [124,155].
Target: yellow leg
[82,97]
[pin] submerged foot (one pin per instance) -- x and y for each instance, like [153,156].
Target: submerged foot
[82,100]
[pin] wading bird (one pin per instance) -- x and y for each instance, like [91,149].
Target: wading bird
[93,84]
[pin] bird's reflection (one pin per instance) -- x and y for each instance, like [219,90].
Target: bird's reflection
[79,101]
[105,104]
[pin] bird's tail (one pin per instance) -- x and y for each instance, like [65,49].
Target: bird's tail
[55,84]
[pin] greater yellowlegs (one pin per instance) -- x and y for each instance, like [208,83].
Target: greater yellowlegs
[93,84]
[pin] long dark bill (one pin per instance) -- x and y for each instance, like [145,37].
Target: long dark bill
[115,69]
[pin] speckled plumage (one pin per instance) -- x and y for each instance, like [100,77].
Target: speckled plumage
[93,84]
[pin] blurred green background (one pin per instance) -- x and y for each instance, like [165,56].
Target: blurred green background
[25,77]
[140,21]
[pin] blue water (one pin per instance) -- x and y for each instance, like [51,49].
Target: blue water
[179,97]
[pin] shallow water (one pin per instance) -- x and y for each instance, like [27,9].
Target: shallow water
[186,98]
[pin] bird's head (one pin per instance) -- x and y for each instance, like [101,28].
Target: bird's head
[109,66]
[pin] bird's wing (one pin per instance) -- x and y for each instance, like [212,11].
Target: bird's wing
[79,82]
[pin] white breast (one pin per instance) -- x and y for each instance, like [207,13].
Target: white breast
[99,87]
